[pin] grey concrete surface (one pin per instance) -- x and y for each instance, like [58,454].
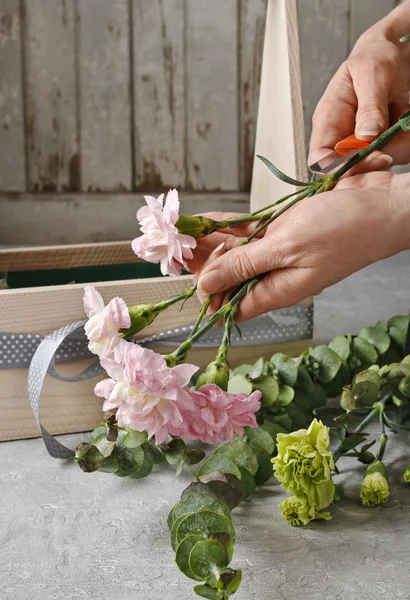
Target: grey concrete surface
[67,535]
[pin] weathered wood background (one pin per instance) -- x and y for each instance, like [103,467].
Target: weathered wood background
[101,99]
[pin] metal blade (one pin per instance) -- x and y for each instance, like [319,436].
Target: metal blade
[331,161]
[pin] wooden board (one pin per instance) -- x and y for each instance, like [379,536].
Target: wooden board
[324,37]
[280,130]
[159,98]
[212,95]
[28,219]
[12,145]
[51,95]
[252,18]
[365,13]
[105,106]
[66,257]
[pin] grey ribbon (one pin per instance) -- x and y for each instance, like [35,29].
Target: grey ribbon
[69,344]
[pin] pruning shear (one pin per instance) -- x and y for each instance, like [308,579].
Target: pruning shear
[343,152]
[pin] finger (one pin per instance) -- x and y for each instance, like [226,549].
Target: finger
[216,253]
[334,117]
[279,289]
[372,91]
[236,266]
[376,161]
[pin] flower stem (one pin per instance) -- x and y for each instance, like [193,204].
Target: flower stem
[185,295]
[201,315]
[378,144]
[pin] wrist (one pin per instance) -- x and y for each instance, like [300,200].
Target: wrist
[399,209]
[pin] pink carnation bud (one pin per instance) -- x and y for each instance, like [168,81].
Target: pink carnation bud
[104,322]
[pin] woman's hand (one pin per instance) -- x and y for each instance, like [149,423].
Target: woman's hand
[367,94]
[315,244]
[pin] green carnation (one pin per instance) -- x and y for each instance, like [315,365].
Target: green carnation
[375,485]
[406,475]
[298,511]
[303,464]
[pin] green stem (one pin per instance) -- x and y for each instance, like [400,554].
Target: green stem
[224,312]
[378,144]
[276,215]
[188,293]
[201,315]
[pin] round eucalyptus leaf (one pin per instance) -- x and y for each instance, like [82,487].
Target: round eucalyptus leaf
[219,462]
[175,451]
[170,518]
[404,386]
[100,441]
[297,416]
[157,455]
[174,541]
[198,487]
[257,369]
[109,465]
[238,384]
[273,429]
[194,456]
[397,329]
[265,470]
[347,400]
[133,439]
[377,336]
[206,523]
[182,555]
[233,583]
[248,482]
[260,438]
[242,370]
[240,453]
[286,367]
[329,363]
[129,459]
[196,502]
[369,375]
[98,431]
[286,395]
[282,418]
[147,464]
[269,388]
[304,381]
[341,346]
[219,481]
[208,592]
[363,355]
[365,393]
[206,556]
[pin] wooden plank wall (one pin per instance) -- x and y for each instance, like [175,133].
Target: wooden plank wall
[128,96]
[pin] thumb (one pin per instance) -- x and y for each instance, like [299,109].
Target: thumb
[372,117]
[236,266]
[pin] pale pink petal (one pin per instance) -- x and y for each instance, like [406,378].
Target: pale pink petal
[93,301]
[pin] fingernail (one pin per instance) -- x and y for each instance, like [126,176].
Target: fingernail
[215,251]
[210,283]
[381,162]
[369,130]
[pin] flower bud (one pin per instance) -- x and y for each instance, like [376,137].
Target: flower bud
[406,475]
[141,315]
[217,372]
[196,227]
[375,485]
[298,511]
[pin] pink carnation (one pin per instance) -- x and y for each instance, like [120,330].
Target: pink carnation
[219,415]
[161,241]
[148,395]
[102,328]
